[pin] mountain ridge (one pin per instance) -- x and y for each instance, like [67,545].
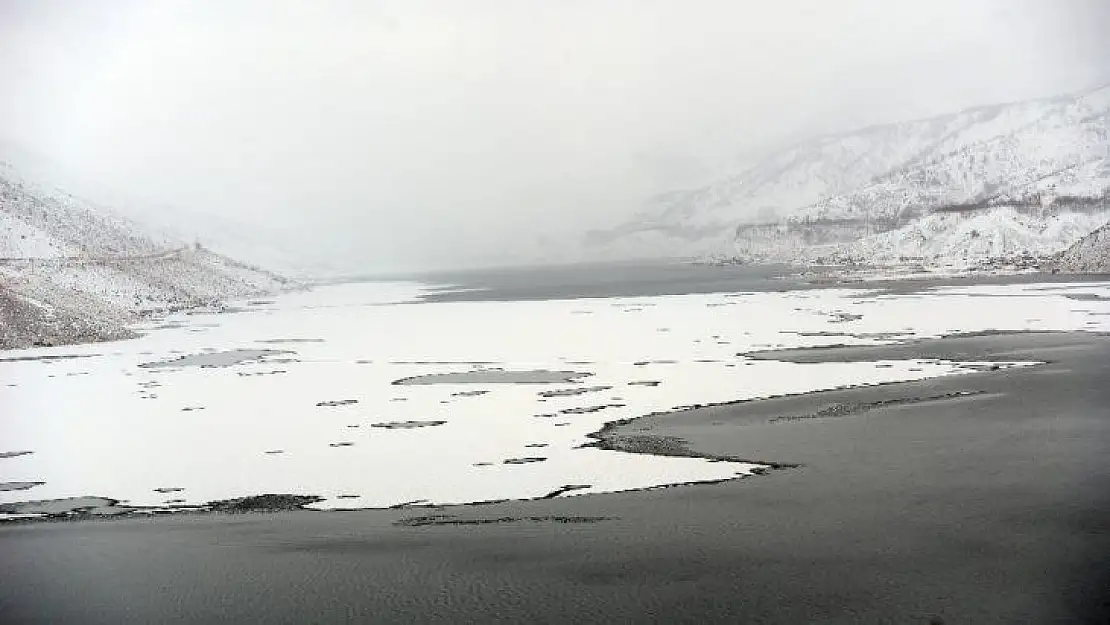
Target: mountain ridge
[1048,151]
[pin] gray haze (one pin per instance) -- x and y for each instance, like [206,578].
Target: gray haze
[418,134]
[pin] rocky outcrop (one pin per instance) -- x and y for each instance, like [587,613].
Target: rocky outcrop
[1090,255]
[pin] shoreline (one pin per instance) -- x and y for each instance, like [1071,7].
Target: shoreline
[55,487]
[685,279]
[905,512]
[480,288]
[614,436]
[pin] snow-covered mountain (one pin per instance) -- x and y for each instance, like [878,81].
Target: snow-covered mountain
[1045,158]
[258,242]
[72,271]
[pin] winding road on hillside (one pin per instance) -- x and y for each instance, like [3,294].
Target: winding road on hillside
[82,259]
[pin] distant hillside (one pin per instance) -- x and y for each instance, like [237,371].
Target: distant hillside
[256,242]
[71,271]
[1043,158]
[1089,255]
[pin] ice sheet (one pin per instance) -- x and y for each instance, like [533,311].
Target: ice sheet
[317,411]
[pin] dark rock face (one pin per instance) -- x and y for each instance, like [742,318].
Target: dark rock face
[1091,254]
[406,425]
[264,503]
[24,325]
[571,392]
[337,402]
[450,519]
[590,409]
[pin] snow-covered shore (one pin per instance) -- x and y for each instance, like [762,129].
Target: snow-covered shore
[363,396]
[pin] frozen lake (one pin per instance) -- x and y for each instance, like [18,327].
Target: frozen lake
[366,396]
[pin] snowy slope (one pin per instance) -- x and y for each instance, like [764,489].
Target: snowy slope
[1053,152]
[42,222]
[72,271]
[966,239]
[257,243]
[1089,255]
[1004,154]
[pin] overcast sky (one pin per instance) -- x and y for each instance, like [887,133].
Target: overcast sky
[430,133]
